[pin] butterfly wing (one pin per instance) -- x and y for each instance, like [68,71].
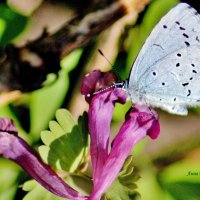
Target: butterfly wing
[174,81]
[167,58]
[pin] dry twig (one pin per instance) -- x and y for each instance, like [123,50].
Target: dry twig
[25,68]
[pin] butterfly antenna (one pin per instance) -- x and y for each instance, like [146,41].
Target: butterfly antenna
[113,67]
[122,84]
[105,57]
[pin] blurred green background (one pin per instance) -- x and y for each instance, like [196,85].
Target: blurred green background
[169,166]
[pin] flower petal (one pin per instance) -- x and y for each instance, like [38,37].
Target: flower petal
[100,115]
[16,149]
[138,123]
[95,81]
[154,131]
[7,125]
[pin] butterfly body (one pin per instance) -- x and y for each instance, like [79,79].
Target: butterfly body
[166,73]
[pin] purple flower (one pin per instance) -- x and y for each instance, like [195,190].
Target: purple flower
[96,80]
[139,122]
[16,149]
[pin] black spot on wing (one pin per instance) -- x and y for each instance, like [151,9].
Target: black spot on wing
[189,93]
[164,26]
[182,28]
[194,71]
[185,35]
[187,43]
[178,54]
[185,84]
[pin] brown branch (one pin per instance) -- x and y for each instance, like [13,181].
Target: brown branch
[25,68]
[80,31]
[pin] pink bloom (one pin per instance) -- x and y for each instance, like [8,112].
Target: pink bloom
[16,149]
[139,122]
[96,80]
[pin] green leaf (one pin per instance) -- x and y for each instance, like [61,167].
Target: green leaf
[45,102]
[182,171]
[83,126]
[80,183]
[66,143]
[181,180]
[9,193]
[118,192]
[2,27]
[36,191]
[124,187]
[70,61]
[65,120]
[9,174]
[14,24]
[184,190]
[136,41]
[5,111]
[129,175]
[121,110]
